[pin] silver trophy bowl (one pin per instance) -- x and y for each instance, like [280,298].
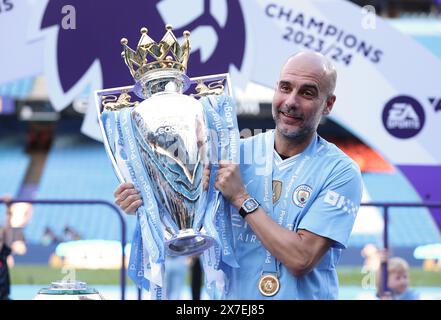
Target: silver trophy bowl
[172,138]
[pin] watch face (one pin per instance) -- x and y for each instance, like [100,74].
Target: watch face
[250,205]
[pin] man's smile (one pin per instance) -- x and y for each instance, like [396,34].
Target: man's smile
[290,117]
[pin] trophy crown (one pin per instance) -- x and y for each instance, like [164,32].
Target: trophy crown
[151,56]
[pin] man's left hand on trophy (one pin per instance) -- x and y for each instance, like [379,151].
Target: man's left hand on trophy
[206,178]
[127,198]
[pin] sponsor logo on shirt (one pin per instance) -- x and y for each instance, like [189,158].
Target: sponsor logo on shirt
[247,237]
[337,200]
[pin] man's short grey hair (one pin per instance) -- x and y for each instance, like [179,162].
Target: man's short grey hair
[331,73]
[330,70]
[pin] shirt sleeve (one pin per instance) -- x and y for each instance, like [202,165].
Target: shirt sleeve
[332,213]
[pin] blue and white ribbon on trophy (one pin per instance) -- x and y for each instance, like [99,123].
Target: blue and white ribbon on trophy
[147,257]
[224,134]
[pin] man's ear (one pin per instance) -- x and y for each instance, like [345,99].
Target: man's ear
[329,104]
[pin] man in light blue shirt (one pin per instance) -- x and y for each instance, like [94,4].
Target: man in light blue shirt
[315,193]
[295,195]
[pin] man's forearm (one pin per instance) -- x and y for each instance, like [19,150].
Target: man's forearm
[287,246]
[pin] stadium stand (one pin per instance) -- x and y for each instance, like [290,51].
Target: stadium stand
[13,164]
[90,176]
[77,168]
[408,227]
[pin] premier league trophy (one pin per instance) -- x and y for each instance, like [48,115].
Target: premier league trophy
[161,142]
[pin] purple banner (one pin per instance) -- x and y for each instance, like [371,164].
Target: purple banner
[427,182]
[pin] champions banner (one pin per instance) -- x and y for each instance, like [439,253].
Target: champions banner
[386,92]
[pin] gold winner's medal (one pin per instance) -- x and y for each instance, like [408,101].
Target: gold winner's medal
[269,285]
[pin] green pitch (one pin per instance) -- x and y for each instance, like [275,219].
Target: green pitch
[42,274]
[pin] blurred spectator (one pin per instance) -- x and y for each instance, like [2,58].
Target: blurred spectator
[196,278]
[18,216]
[49,237]
[398,280]
[69,234]
[21,213]
[176,271]
[11,242]
[371,255]
[5,251]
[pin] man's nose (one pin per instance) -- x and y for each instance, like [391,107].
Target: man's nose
[292,99]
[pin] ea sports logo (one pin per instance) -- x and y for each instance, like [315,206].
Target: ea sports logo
[403,117]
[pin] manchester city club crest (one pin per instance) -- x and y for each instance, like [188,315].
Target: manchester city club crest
[301,195]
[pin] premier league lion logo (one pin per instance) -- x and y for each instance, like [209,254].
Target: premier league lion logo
[217,27]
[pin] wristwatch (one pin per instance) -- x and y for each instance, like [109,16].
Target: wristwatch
[248,206]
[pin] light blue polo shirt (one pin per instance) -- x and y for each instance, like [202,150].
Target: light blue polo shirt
[318,190]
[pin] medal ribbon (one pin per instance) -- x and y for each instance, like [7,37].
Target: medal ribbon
[271,264]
